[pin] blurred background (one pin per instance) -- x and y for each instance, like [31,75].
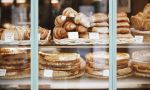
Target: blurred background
[17,12]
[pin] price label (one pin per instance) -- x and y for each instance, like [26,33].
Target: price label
[138,39]
[2,72]
[39,36]
[106,73]
[73,35]
[48,73]
[9,36]
[94,35]
[7,1]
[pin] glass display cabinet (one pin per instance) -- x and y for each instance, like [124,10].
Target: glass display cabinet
[74,44]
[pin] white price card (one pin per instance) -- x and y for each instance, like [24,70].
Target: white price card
[106,73]
[39,36]
[138,39]
[7,1]
[9,36]
[48,73]
[94,35]
[73,35]
[2,72]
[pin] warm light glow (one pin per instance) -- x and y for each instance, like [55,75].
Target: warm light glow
[20,1]
[7,1]
[54,1]
[7,25]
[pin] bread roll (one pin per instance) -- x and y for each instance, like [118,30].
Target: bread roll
[121,14]
[146,25]
[81,29]
[101,24]
[99,17]
[60,33]
[123,30]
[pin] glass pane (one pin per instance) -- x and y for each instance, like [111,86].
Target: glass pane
[14,49]
[73,48]
[133,32]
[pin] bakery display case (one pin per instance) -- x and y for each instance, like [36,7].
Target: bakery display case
[74,44]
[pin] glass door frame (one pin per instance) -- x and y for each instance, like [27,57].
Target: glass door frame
[112,44]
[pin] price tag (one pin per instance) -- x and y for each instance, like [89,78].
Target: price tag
[39,36]
[138,39]
[2,72]
[106,73]
[7,1]
[73,35]
[94,35]
[48,73]
[9,36]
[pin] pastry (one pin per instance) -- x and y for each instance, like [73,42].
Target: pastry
[82,20]
[147,9]
[121,14]
[122,19]
[84,35]
[69,12]
[69,26]
[123,30]
[60,20]
[101,24]
[102,30]
[81,29]
[137,21]
[99,17]
[60,33]
[146,25]
[123,24]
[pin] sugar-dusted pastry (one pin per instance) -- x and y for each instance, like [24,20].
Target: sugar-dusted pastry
[60,20]
[82,19]
[69,26]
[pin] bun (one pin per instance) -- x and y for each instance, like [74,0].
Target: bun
[60,20]
[84,35]
[123,30]
[121,14]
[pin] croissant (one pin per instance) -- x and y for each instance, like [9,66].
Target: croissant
[81,29]
[137,21]
[69,12]
[99,17]
[43,33]
[146,24]
[147,9]
[69,26]
[60,20]
[82,20]
[59,33]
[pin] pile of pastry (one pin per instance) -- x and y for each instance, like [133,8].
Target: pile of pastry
[23,33]
[141,21]
[72,21]
[123,28]
[61,65]
[15,62]
[98,65]
[141,63]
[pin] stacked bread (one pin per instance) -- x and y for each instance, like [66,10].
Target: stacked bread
[141,21]
[62,65]
[99,23]
[141,63]
[98,65]
[123,28]
[15,61]
[23,33]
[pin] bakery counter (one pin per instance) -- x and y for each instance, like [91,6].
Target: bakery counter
[80,83]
